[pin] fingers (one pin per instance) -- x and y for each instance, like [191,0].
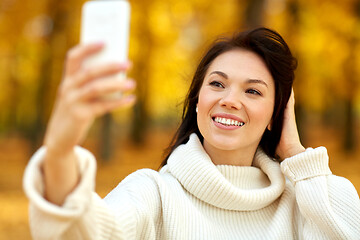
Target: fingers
[78,54]
[290,107]
[101,87]
[289,144]
[292,97]
[101,107]
[84,76]
[291,101]
[88,86]
[77,75]
[81,98]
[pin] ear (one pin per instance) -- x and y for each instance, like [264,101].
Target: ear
[269,126]
[196,109]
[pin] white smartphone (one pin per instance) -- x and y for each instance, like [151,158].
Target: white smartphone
[107,21]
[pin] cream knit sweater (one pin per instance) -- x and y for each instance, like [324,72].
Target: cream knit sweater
[191,198]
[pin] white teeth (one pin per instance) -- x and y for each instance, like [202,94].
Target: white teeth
[229,122]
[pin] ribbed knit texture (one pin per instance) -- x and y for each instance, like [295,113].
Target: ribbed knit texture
[191,198]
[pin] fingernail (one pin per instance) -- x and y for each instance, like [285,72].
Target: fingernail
[130,98]
[130,84]
[129,64]
[99,44]
[122,66]
[126,65]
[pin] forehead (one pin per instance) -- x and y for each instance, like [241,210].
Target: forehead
[241,63]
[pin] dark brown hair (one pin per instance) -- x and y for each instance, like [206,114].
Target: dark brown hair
[272,48]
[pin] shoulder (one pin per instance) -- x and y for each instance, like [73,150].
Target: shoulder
[147,176]
[144,184]
[342,187]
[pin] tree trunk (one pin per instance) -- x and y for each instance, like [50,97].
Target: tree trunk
[350,86]
[292,29]
[106,138]
[349,127]
[57,12]
[141,74]
[254,13]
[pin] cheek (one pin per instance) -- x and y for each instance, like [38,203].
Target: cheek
[204,101]
[200,106]
[262,113]
[205,104]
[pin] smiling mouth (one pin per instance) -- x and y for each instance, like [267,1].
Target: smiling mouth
[228,122]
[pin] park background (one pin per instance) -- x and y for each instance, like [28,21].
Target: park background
[167,40]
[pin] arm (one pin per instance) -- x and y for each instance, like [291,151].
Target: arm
[59,180]
[329,205]
[83,215]
[79,102]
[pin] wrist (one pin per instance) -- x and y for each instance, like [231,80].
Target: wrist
[58,156]
[61,174]
[292,151]
[54,149]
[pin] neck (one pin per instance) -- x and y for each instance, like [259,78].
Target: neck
[238,157]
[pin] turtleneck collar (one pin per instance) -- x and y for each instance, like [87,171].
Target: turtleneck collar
[225,186]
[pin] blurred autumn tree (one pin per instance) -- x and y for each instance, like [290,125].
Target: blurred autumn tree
[327,44]
[167,40]
[37,35]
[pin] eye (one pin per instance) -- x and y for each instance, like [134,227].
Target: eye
[254,92]
[217,84]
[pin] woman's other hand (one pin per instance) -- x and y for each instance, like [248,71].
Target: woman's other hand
[289,144]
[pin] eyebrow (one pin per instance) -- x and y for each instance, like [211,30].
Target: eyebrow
[224,75]
[257,81]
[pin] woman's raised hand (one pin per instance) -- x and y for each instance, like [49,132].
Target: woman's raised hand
[81,97]
[289,144]
[80,100]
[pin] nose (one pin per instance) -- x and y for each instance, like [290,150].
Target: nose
[231,100]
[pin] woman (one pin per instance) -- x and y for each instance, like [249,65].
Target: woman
[219,180]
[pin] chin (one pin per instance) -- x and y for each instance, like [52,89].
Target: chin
[225,143]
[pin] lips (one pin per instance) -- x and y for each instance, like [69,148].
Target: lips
[227,120]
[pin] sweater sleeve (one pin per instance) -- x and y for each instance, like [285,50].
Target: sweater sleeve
[84,215]
[329,205]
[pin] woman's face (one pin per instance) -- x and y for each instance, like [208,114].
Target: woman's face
[236,101]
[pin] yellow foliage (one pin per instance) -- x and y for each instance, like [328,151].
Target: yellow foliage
[323,38]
